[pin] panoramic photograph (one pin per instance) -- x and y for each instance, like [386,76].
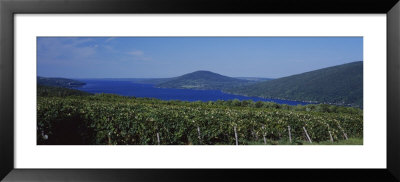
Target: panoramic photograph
[199,91]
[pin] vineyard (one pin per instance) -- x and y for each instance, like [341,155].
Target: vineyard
[116,120]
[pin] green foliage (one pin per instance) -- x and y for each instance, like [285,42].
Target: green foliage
[110,119]
[342,85]
[350,141]
[58,91]
[58,82]
[204,80]
[339,85]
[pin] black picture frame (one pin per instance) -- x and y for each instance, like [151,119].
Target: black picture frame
[8,8]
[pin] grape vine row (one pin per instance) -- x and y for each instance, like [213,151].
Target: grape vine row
[115,120]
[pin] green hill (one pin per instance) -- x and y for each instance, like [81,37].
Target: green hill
[51,91]
[342,84]
[256,79]
[58,87]
[58,82]
[203,80]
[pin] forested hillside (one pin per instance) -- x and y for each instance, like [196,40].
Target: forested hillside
[59,82]
[204,80]
[341,85]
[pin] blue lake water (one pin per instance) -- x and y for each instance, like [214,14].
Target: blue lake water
[128,88]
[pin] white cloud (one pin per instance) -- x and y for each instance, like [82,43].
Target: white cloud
[65,49]
[77,50]
[142,59]
[136,53]
[109,39]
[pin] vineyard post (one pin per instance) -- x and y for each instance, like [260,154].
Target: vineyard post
[330,134]
[198,131]
[344,133]
[158,138]
[254,133]
[309,139]
[236,137]
[109,138]
[264,134]
[265,140]
[290,135]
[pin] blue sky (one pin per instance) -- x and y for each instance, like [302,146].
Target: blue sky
[159,57]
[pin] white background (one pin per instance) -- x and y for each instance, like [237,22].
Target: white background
[370,155]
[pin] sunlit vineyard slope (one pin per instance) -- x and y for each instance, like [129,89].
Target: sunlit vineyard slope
[110,119]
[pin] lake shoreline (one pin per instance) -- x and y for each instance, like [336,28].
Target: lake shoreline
[129,88]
